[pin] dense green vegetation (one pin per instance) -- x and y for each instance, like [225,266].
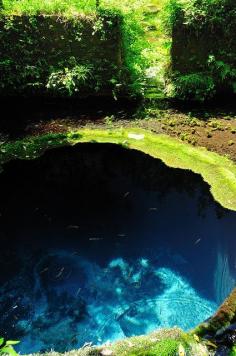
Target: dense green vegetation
[68,76]
[140,52]
[66,7]
[206,64]
[61,56]
[187,69]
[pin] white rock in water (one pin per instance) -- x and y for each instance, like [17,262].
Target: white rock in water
[136,136]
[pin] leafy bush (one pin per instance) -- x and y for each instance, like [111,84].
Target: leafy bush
[134,44]
[196,86]
[222,72]
[69,81]
[198,13]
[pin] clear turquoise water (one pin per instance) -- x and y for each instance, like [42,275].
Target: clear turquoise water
[106,251]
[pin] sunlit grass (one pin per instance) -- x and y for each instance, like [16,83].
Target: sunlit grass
[48,6]
[65,6]
[68,6]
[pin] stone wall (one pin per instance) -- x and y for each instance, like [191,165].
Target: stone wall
[51,55]
[204,46]
[192,47]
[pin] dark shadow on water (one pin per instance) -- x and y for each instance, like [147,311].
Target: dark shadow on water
[99,242]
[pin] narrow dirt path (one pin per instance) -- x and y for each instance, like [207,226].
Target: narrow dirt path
[158,51]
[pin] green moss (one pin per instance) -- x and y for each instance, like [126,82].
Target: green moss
[30,148]
[218,171]
[164,342]
[167,347]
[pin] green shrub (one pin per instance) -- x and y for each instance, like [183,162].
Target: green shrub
[222,72]
[196,86]
[69,80]
[198,13]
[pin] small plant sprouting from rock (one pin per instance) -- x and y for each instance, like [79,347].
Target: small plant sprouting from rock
[6,347]
[109,120]
[68,80]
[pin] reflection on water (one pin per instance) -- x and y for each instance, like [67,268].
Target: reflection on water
[94,251]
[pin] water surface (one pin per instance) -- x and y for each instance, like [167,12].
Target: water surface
[99,243]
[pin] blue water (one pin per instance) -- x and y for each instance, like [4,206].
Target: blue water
[94,252]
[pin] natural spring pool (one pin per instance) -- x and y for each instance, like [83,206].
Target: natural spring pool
[99,242]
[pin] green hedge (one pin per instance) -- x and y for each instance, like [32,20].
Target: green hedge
[63,56]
